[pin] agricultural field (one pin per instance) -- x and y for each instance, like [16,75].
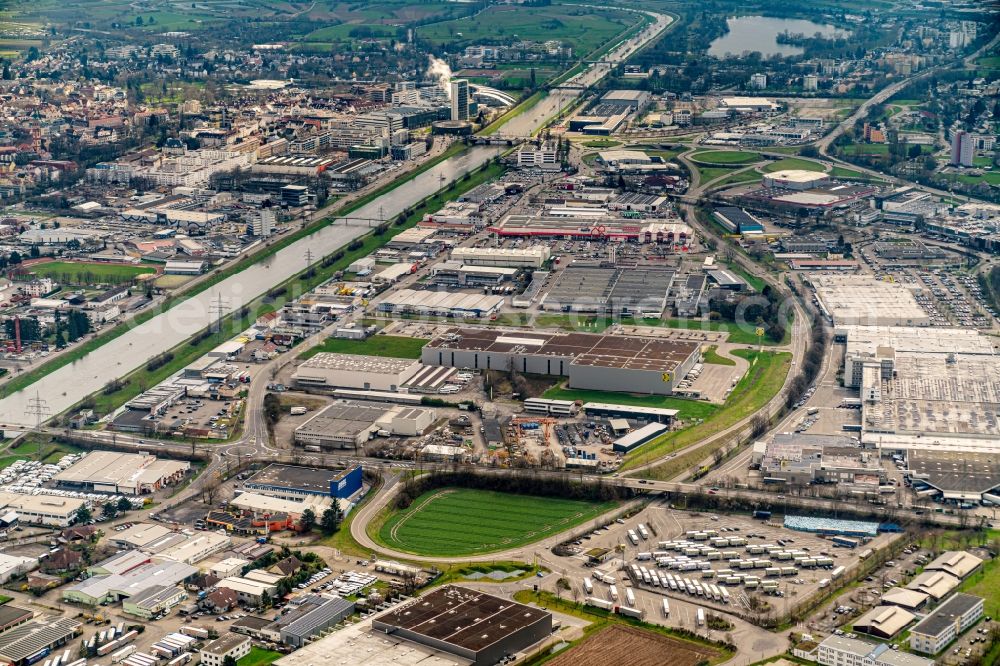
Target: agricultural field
[452,522]
[76,273]
[644,648]
[583,28]
[393,346]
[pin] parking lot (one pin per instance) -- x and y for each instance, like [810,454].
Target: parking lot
[674,548]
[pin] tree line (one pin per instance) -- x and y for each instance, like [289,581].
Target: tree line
[521,484]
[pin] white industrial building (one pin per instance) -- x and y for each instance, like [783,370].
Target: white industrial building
[126,473]
[795,179]
[50,510]
[534,256]
[12,566]
[545,156]
[440,303]
[862,300]
[370,373]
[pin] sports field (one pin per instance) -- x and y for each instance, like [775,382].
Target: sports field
[451,522]
[69,272]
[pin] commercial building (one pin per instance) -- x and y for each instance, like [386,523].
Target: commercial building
[440,303]
[140,535]
[544,156]
[737,221]
[795,179]
[796,458]
[862,300]
[301,483]
[154,601]
[946,623]
[592,224]
[306,617]
[349,424]
[844,651]
[12,616]
[263,507]
[370,373]
[613,411]
[360,645]
[634,100]
[31,641]
[42,509]
[884,621]
[473,625]
[534,256]
[125,473]
[111,588]
[195,548]
[601,362]
[226,645]
[248,590]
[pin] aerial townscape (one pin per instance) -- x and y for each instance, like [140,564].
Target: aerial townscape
[489,332]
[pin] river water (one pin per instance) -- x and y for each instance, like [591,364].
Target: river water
[70,384]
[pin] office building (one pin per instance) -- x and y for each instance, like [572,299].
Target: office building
[459,89]
[933,634]
[227,645]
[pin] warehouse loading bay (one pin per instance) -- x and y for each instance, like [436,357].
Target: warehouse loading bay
[599,554]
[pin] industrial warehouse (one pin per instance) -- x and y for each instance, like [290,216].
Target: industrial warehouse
[602,362]
[370,373]
[298,484]
[348,424]
[126,473]
[862,300]
[474,625]
[593,224]
[635,291]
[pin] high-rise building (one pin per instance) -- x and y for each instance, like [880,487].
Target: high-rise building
[459,99]
[963,148]
[758,81]
[810,82]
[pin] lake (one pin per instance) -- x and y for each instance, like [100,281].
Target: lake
[760,33]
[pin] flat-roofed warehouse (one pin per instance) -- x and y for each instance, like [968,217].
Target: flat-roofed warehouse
[299,484]
[591,224]
[470,624]
[347,424]
[633,291]
[600,362]
[959,475]
[52,510]
[371,373]
[358,644]
[440,303]
[24,644]
[862,300]
[126,473]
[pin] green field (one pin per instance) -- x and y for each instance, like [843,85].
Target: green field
[259,657]
[452,522]
[394,346]
[688,409]
[711,173]
[738,178]
[712,356]
[584,28]
[991,177]
[50,452]
[841,172]
[793,163]
[69,272]
[731,157]
[602,143]
[761,382]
